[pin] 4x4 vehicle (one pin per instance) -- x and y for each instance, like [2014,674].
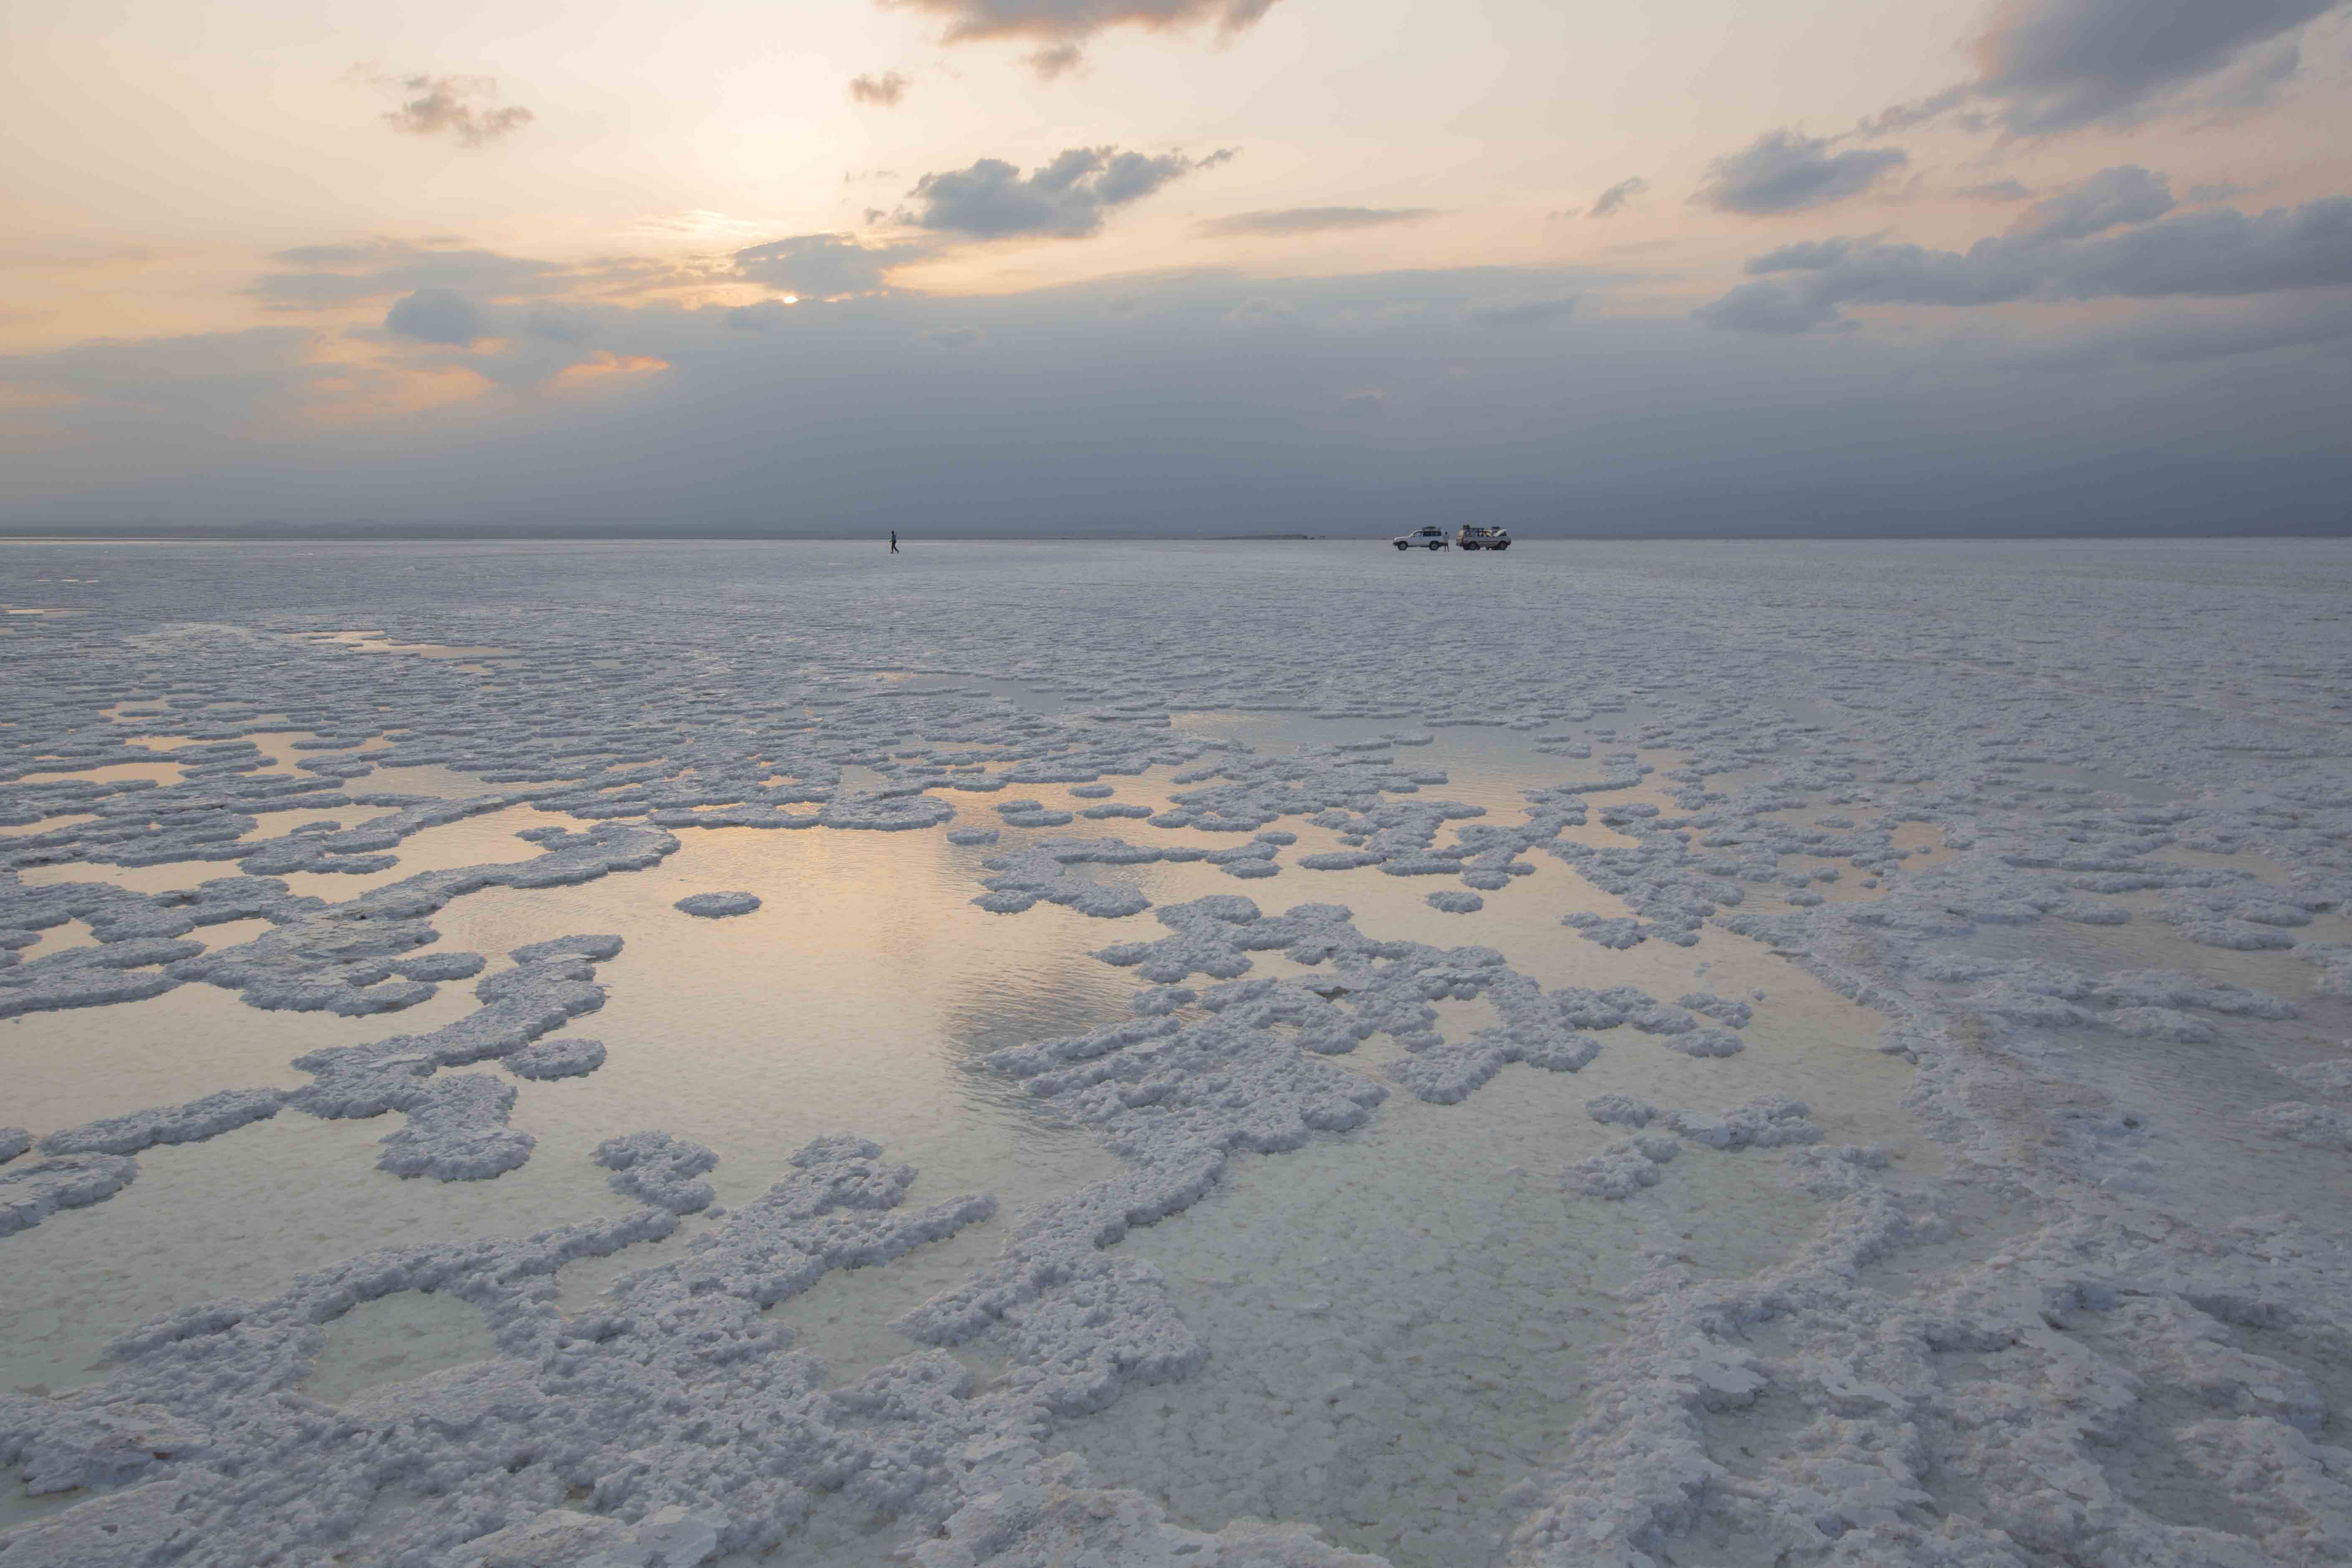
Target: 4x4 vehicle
[1473,537]
[1427,537]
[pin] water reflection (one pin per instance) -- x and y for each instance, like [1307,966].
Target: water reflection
[1461,1292]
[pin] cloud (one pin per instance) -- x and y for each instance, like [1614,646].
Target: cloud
[883,92]
[559,324]
[1065,199]
[756,318]
[2054,66]
[2175,339]
[330,277]
[1785,171]
[1314,220]
[1765,307]
[954,337]
[1996,190]
[1055,60]
[2257,83]
[1614,198]
[1530,314]
[1261,308]
[2108,199]
[437,316]
[461,107]
[201,384]
[1062,27]
[1166,421]
[1367,404]
[2096,243]
[2058,64]
[1074,21]
[822,266]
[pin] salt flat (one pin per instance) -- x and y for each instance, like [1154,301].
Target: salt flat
[1220,1053]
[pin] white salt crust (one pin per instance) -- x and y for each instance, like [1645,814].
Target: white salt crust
[2064,1354]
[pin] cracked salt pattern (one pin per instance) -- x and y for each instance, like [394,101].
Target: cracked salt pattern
[1810,1055]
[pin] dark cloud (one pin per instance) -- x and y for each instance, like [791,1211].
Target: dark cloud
[1314,220]
[328,276]
[2051,65]
[1169,420]
[559,324]
[822,266]
[212,378]
[2093,244]
[884,91]
[2174,339]
[1528,313]
[1065,199]
[1996,190]
[2218,252]
[1765,307]
[954,337]
[462,108]
[756,318]
[1614,198]
[1074,21]
[2219,191]
[1784,171]
[437,316]
[2108,199]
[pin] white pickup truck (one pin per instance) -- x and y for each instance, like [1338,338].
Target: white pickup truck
[1429,536]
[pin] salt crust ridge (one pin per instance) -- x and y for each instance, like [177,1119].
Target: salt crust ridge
[717,905]
[2020,1371]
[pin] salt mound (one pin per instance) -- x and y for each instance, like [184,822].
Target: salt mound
[207,1118]
[1622,1169]
[30,1194]
[717,905]
[569,1056]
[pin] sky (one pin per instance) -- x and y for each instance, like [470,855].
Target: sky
[1170,267]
